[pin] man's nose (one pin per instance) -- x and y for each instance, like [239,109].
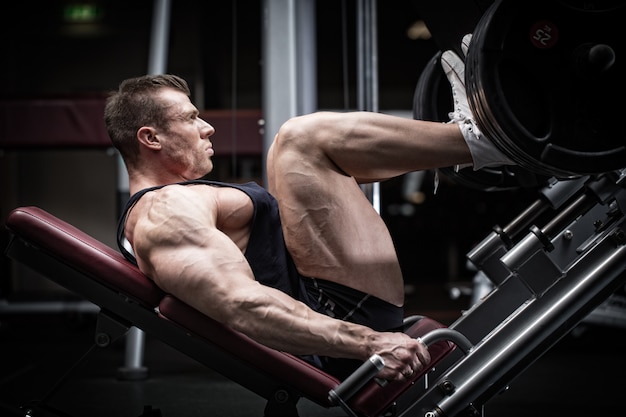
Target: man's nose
[206,127]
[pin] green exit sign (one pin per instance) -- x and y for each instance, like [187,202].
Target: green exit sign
[81,13]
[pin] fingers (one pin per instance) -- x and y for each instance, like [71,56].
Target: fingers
[404,357]
[417,360]
[415,368]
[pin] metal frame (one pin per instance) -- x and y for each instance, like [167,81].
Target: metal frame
[546,281]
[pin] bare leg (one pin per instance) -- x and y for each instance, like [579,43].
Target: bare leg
[315,166]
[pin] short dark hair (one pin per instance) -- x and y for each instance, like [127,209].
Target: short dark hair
[135,104]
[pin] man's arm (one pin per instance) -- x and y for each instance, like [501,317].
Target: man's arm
[179,246]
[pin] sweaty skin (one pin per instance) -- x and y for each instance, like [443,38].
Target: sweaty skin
[191,239]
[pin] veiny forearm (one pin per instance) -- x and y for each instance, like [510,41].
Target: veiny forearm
[294,328]
[280,322]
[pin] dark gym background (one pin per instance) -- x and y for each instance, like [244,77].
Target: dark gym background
[216,46]
[45,56]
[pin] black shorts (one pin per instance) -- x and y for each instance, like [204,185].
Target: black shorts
[344,303]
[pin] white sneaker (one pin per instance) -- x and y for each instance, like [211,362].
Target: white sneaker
[484,152]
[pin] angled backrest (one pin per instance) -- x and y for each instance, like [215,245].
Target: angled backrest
[82,252]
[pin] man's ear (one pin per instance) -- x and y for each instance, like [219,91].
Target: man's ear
[147,137]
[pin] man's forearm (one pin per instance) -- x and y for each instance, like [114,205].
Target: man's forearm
[280,322]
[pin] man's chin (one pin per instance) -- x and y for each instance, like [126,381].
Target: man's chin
[206,173]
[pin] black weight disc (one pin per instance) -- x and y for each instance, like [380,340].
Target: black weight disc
[432,101]
[542,77]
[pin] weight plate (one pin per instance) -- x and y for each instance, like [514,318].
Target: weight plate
[542,78]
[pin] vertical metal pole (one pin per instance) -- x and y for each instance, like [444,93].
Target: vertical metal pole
[367,74]
[133,368]
[157,60]
[306,70]
[279,67]
[289,76]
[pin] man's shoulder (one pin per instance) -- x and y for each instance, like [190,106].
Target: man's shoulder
[196,190]
[176,199]
[201,198]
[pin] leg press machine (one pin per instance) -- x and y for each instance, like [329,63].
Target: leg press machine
[551,267]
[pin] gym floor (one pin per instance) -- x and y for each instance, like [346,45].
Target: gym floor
[582,375]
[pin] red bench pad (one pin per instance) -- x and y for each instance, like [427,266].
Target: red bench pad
[84,253]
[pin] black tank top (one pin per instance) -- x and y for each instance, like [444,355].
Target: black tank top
[266,251]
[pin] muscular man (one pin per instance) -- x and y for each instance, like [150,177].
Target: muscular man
[308,268]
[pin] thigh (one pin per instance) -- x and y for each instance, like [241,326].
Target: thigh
[330,227]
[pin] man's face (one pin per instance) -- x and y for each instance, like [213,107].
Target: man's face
[186,145]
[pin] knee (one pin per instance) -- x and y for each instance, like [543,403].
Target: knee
[296,148]
[289,133]
[303,132]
